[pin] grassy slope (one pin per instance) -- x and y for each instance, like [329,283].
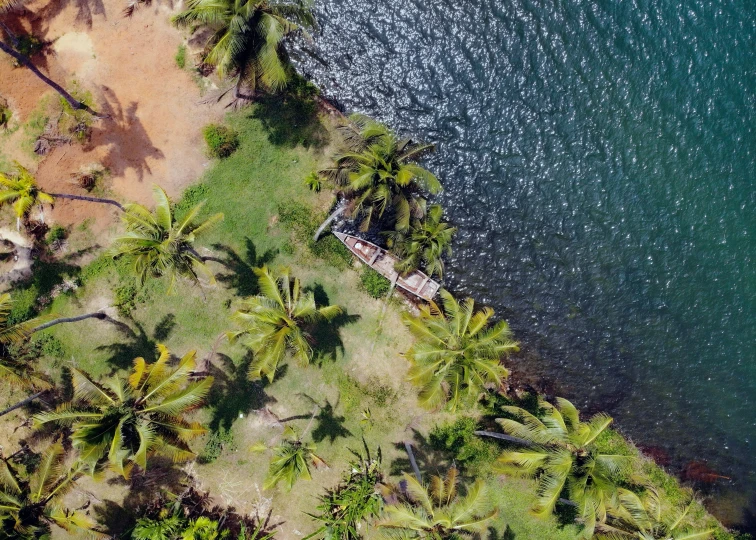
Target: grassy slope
[268,169]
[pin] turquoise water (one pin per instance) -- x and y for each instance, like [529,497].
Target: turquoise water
[599,159]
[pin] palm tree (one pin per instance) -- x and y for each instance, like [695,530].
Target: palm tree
[21,190]
[160,245]
[425,244]
[650,517]
[248,38]
[562,454]
[30,505]
[437,511]
[379,172]
[291,461]
[457,352]
[127,420]
[272,322]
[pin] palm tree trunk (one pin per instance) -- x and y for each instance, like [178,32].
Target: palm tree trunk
[95,315]
[413,463]
[89,199]
[22,59]
[21,403]
[503,437]
[336,213]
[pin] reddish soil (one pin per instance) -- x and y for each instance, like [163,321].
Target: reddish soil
[153,135]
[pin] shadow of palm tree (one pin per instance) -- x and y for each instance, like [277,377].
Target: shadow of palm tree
[329,424]
[138,343]
[291,121]
[233,393]
[429,460]
[507,534]
[241,275]
[325,336]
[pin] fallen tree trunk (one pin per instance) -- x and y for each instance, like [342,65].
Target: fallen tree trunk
[95,315]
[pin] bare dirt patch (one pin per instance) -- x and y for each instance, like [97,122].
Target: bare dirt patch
[153,133]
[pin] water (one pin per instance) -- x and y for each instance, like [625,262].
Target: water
[599,159]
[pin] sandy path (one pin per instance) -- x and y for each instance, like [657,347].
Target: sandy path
[154,135]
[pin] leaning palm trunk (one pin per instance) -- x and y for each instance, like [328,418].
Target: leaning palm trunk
[94,315]
[336,213]
[75,103]
[21,403]
[88,199]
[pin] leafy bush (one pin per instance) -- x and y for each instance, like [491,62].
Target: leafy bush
[469,450]
[50,346]
[192,196]
[312,181]
[181,56]
[381,394]
[373,283]
[28,45]
[24,305]
[5,114]
[221,140]
[220,440]
[56,233]
[125,299]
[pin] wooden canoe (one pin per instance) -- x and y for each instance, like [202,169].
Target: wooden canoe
[384,263]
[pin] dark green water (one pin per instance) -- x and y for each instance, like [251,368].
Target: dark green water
[599,158]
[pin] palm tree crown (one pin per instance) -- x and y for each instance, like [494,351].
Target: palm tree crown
[291,461]
[379,172]
[650,517]
[562,454]
[457,352]
[437,511]
[30,504]
[248,38]
[425,244]
[272,322]
[127,420]
[21,191]
[159,244]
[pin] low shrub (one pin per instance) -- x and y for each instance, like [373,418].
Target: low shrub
[217,442]
[470,451]
[5,113]
[373,283]
[181,56]
[125,299]
[28,45]
[24,305]
[55,234]
[193,195]
[221,140]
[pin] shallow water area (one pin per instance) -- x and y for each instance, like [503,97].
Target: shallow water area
[599,159]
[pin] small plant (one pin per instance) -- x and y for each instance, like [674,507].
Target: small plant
[125,299]
[5,113]
[88,176]
[28,45]
[181,56]
[373,283]
[56,234]
[355,500]
[221,140]
[217,442]
[470,451]
[312,181]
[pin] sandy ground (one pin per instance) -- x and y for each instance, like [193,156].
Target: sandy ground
[154,133]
